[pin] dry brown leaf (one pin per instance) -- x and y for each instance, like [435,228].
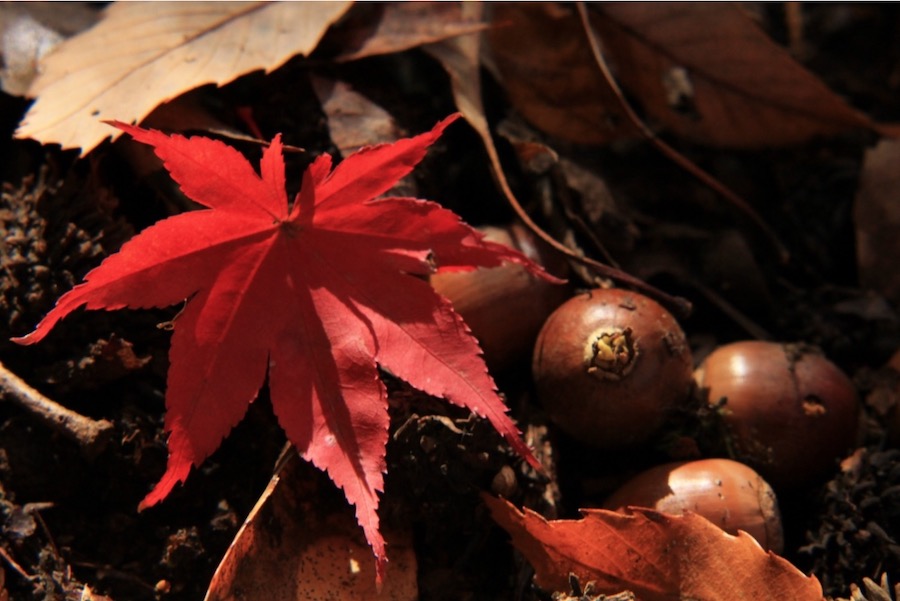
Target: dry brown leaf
[30,30]
[657,556]
[460,58]
[145,53]
[711,75]
[876,213]
[298,545]
[383,28]
[354,121]
[542,58]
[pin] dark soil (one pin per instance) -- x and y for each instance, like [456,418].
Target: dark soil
[69,519]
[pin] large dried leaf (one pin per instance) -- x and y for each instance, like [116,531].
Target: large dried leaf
[656,556]
[297,545]
[877,215]
[383,28]
[145,53]
[543,59]
[710,74]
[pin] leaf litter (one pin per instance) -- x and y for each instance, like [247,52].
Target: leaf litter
[693,84]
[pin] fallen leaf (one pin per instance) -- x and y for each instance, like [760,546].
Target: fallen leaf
[542,58]
[144,53]
[354,121]
[30,30]
[386,27]
[296,545]
[460,57]
[656,556]
[876,214]
[710,74]
[316,295]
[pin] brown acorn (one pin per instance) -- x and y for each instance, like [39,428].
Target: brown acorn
[789,412]
[505,306]
[729,494]
[609,366]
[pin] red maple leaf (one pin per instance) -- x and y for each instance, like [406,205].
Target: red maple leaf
[315,294]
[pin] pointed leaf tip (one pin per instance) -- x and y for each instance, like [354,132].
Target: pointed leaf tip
[176,473]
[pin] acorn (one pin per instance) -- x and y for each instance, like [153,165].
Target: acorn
[892,411]
[788,411]
[609,366]
[505,306]
[729,494]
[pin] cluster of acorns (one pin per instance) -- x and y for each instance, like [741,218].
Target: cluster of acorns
[611,367]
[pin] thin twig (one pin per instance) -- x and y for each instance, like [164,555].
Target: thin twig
[14,565]
[91,435]
[751,327]
[105,571]
[678,305]
[669,152]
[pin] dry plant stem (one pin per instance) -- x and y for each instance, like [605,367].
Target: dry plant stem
[680,306]
[91,435]
[755,330]
[111,572]
[14,566]
[793,20]
[669,152]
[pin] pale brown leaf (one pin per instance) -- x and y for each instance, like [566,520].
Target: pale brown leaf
[29,31]
[298,545]
[657,556]
[710,74]
[383,28]
[461,59]
[876,214]
[354,121]
[145,53]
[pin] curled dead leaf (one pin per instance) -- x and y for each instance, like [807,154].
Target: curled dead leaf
[657,556]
